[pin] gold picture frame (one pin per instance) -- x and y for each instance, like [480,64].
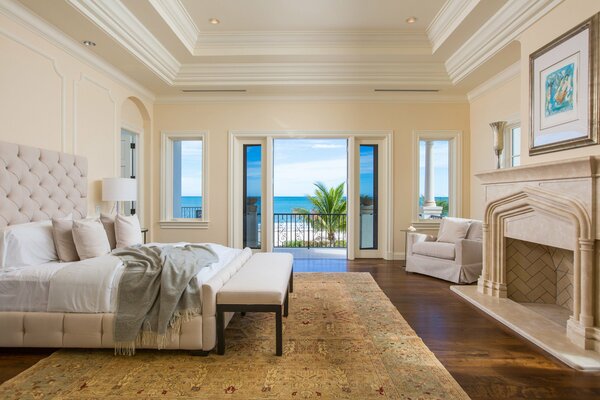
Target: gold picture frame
[563,84]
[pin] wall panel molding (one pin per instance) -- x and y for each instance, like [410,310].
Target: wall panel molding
[58,72]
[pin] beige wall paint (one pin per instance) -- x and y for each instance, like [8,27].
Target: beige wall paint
[52,100]
[219,118]
[501,103]
[558,21]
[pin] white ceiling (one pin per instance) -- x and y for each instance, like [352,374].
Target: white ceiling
[327,48]
[312,15]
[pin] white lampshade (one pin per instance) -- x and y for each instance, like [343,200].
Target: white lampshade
[119,189]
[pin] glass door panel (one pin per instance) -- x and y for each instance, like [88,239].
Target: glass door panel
[368,196]
[252,195]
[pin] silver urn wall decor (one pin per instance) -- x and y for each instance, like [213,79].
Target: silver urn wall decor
[498,132]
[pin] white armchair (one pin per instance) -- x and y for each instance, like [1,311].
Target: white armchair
[457,257]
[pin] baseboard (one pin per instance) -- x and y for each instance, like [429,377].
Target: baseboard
[398,255]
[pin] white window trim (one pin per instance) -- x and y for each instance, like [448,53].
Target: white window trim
[454,180]
[237,138]
[507,154]
[166,181]
[139,167]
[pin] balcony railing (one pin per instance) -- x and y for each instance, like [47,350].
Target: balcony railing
[310,230]
[191,212]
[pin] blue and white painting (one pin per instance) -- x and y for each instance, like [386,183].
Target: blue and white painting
[559,90]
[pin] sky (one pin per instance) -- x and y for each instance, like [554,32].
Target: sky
[299,163]
[191,168]
[440,168]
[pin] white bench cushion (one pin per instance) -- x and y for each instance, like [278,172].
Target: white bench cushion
[262,280]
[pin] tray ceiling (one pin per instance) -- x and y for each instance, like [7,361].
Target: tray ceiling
[284,47]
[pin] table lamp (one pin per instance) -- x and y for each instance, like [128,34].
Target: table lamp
[119,189]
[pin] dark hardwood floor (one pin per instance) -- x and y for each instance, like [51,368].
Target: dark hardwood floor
[487,359]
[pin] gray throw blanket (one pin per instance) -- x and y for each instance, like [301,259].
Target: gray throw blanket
[158,291]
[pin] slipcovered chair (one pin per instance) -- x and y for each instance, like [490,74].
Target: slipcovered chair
[454,255]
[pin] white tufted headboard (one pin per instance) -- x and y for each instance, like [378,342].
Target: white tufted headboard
[38,184]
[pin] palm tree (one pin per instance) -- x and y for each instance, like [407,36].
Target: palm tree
[327,201]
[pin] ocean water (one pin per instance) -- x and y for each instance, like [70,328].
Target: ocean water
[282,204]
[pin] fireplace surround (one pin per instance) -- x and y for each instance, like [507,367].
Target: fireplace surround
[544,207]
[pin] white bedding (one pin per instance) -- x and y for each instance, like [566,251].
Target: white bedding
[88,286]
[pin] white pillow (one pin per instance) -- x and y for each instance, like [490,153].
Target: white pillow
[127,231]
[109,226]
[62,231]
[453,229]
[90,238]
[27,244]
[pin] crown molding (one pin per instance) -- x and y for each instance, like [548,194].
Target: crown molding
[425,74]
[181,23]
[22,16]
[451,15]
[118,22]
[501,78]
[304,43]
[412,98]
[499,31]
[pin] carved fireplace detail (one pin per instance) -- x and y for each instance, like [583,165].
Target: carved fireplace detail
[552,206]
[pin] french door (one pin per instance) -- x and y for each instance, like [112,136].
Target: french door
[369,190]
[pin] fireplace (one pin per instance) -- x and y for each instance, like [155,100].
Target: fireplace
[539,265]
[541,278]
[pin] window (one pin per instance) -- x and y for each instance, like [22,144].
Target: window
[252,195]
[513,148]
[183,184]
[368,196]
[438,175]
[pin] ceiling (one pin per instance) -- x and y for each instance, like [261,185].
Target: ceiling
[316,48]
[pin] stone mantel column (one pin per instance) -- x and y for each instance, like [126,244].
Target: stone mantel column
[429,175]
[586,248]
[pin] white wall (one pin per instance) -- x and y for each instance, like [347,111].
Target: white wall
[564,17]
[499,103]
[219,118]
[53,100]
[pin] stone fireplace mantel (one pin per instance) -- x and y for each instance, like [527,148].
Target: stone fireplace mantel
[550,205]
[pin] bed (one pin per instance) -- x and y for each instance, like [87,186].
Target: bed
[61,304]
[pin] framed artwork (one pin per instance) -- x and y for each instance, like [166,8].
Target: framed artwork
[563,79]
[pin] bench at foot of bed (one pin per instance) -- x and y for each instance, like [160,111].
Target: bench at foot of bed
[261,285]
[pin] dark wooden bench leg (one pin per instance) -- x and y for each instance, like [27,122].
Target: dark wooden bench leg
[243,313]
[220,332]
[286,305]
[278,332]
[292,281]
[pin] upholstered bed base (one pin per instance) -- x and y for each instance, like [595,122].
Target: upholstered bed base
[45,329]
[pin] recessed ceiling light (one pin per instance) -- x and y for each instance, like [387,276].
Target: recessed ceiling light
[214,21]
[88,43]
[411,20]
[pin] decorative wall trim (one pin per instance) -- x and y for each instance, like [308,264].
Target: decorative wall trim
[238,137]
[114,18]
[499,31]
[426,74]
[364,98]
[63,84]
[177,18]
[21,15]
[304,43]
[498,80]
[452,14]
[166,182]
[116,129]
[455,161]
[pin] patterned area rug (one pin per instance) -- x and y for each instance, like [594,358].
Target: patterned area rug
[343,339]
